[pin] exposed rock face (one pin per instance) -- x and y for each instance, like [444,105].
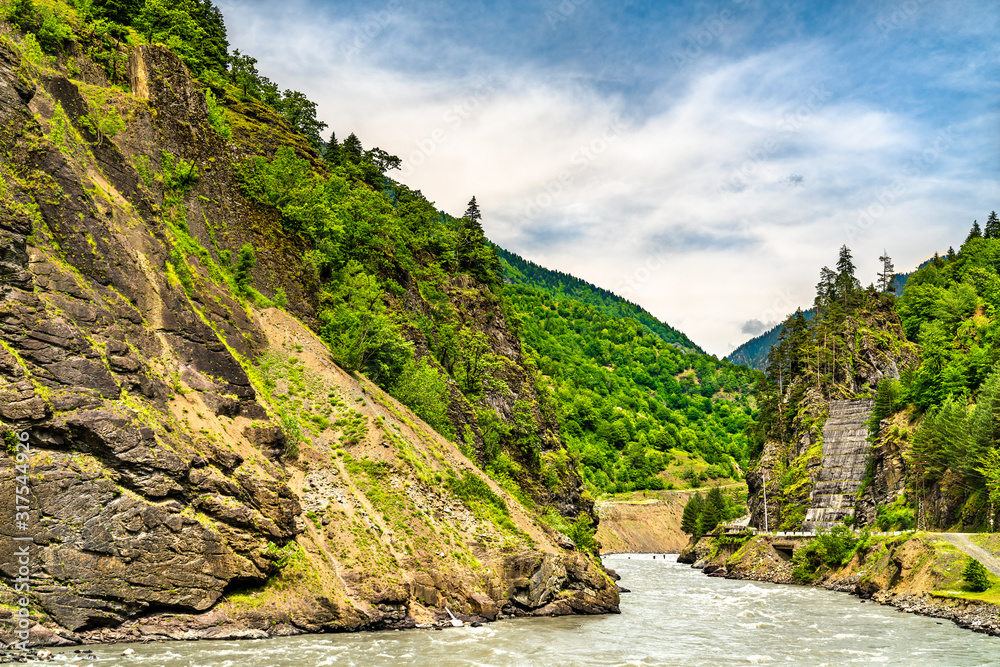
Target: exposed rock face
[889,474]
[845,456]
[160,475]
[645,528]
[809,486]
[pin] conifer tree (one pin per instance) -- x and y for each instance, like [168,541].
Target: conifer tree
[975,232]
[847,284]
[992,229]
[976,576]
[798,340]
[351,149]
[473,215]
[887,275]
[331,152]
[826,287]
[712,511]
[692,510]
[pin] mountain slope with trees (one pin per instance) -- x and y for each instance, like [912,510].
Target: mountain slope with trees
[519,271]
[261,379]
[629,402]
[930,360]
[753,353]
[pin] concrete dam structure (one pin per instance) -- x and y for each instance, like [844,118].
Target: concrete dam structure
[845,455]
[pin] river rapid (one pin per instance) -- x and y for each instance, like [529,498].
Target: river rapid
[674,616]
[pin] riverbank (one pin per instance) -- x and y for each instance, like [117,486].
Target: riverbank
[918,573]
[675,616]
[642,525]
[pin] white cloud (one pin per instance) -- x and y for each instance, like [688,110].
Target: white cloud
[687,210]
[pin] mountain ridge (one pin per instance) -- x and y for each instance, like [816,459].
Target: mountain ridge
[559,283]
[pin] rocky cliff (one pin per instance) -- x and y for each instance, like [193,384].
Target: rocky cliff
[199,466]
[646,526]
[804,474]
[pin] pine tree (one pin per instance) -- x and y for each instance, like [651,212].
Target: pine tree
[718,501]
[826,287]
[351,149]
[975,232]
[692,511]
[711,511]
[887,276]
[883,405]
[331,152]
[847,284]
[798,340]
[473,215]
[976,576]
[991,229]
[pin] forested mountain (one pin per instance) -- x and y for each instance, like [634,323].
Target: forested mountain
[753,353]
[629,402]
[930,360]
[275,378]
[519,271]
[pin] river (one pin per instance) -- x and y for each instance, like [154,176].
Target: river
[674,616]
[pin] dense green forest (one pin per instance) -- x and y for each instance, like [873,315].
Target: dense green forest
[753,353]
[519,271]
[630,403]
[633,395]
[944,324]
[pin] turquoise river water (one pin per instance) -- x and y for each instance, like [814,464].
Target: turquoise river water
[674,616]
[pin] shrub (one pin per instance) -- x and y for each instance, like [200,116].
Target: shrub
[976,576]
[280,299]
[244,265]
[479,497]
[582,532]
[897,516]
[421,388]
[217,115]
[179,175]
[830,549]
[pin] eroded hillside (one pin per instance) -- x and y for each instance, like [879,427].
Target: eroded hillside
[200,466]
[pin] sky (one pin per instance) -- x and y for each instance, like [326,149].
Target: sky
[702,159]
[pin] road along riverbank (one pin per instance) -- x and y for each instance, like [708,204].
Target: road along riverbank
[919,573]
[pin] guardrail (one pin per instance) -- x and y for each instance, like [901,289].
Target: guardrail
[730,529]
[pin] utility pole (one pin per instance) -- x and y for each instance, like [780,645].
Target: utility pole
[767,525]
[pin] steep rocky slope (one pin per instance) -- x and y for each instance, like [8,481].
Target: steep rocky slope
[652,526]
[199,466]
[790,462]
